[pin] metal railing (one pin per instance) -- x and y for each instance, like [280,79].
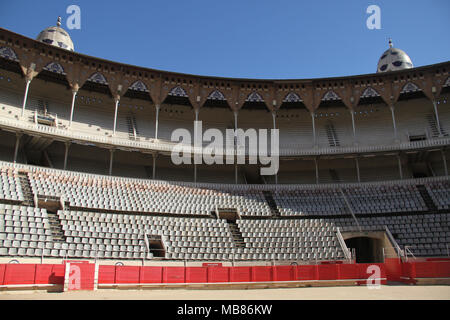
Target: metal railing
[347,252]
[400,252]
[407,252]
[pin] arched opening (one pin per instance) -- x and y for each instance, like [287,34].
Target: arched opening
[367,250]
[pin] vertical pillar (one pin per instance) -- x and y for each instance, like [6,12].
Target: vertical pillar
[317,170]
[66,153]
[313,127]
[444,159]
[393,122]
[352,113]
[111,158]
[157,121]
[154,166]
[195,172]
[437,117]
[16,150]
[400,169]
[357,169]
[236,173]
[74,95]
[117,99]
[25,97]
[274,115]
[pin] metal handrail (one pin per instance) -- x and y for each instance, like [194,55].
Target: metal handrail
[350,208]
[347,253]
[407,250]
[400,252]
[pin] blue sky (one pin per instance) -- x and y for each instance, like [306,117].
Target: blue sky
[275,39]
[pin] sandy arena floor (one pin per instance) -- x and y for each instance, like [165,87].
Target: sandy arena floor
[334,293]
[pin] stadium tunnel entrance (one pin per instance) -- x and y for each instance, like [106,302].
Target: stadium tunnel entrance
[366,249]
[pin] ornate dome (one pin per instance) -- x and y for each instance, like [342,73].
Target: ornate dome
[394,59]
[56,36]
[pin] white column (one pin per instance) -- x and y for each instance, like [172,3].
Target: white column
[400,166]
[157,121]
[444,159]
[25,97]
[274,120]
[357,169]
[74,96]
[313,127]
[115,115]
[437,117]
[111,157]
[317,170]
[353,124]
[393,122]
[16,150]
[66,154]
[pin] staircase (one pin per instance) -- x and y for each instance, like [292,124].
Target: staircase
[272,204]
[427,198]
[132,127]
[28,197]
[236,234]
[333,140]
[55,227]
[433,126]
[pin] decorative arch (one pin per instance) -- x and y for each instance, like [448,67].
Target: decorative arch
[410,87]
[55,67]
[369,92]
[97,77]
[8,53]
[254,97]
[330,95]
[292,97]
[216,95]
[139,86]
[178,92]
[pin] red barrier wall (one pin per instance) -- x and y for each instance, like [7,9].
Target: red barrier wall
[393,269]
[127,274]
[220,274]
[307,272]
[283,273]
[87,273]
[19,274]
[241,274]
[348,271]
[2,273]
[49,274]
[196,275]
[151,274]
[173,275]
[328,272]
[106,274]
[261,274]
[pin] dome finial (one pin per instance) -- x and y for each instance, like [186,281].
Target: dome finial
[390,43]
[58,23]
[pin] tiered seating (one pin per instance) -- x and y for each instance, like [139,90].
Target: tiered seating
[24,231]
[96,192]
[289,240]
[310,202]
[110,235]
[362,200]
[385,199]
[424,235]
[440,194]
[10,188]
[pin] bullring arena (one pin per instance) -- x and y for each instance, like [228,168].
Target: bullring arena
[93,205]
